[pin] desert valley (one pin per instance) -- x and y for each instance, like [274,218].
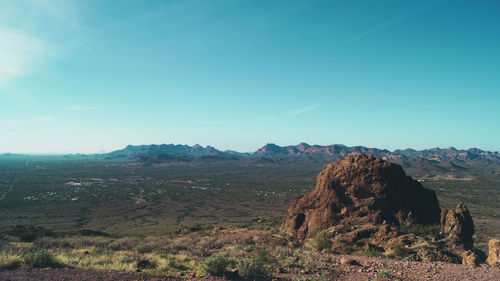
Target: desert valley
[193,212]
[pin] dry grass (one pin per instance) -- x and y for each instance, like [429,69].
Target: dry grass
[9,260]
[258,252]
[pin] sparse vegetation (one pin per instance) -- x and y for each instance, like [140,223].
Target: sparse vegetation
[399,251]
[421,230]
[217,265]
[39,259]
[371,252]
[29,233]
[382,272]
[117,236]
[251,268]
[320,241]
[9,260]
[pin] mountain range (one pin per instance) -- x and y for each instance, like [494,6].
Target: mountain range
[166,152]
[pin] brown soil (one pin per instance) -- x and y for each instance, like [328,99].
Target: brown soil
[366,268]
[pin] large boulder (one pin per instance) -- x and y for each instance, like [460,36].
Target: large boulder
[494,253]
[458,225]
[361,189]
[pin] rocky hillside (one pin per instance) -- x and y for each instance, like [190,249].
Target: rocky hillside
[370,206]
[362,189]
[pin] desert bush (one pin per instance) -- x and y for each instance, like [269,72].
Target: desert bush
[347,250]
[146,264]
[9,260]
[217,265]
[382,272]
[52,243]
[249,248]
[325,275]
[39,259]
[29,233]
[400,251]
[124,244]
[421,230]
[79,242]
[89,232]
[371,251]
[251,268]
[283,252]
[170,261]
[320,241]
[146,248]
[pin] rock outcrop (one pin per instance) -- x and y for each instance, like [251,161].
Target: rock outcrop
[458,225]
[494,253]
[361,189]
[471,258]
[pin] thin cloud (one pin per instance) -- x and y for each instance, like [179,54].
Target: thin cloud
[302,110]
[296,112]
[80,108]
[24,45]
[18,52]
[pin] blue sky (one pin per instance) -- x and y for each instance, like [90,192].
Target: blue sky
[86,76]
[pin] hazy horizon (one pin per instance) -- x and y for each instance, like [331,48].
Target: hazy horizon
[88,76]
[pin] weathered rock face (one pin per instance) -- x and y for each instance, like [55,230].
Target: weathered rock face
[470,258]
[458,225]
[361,189]
[494,253]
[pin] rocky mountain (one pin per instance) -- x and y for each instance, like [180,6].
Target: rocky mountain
[333,151]
[338,151]
[426,163]
[155,150]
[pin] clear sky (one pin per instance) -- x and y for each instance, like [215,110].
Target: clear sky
[86,76]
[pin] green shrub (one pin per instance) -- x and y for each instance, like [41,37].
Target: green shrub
[29,233]
[249,248]
[251,268]
[324,276]
[421,230]
[382,272]
[146,264]
[39,259]
[371,252]
[217,265]
[347,250]
[400,251]
[170,260]
[320,241]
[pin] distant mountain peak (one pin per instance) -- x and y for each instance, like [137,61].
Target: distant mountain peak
[330,152]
